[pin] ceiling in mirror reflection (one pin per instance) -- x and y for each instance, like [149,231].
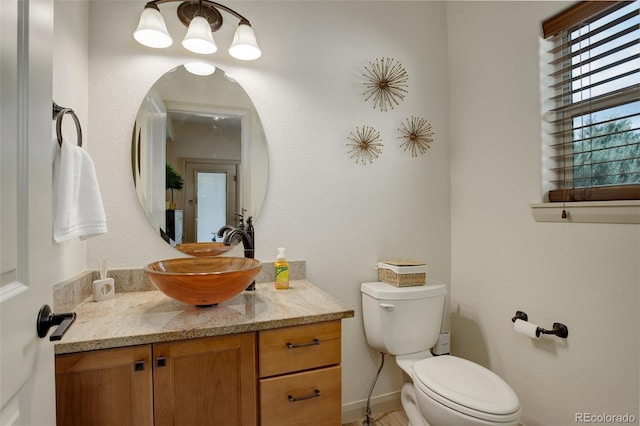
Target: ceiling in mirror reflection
[212,121]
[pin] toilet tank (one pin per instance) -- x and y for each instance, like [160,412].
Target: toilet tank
[402,320]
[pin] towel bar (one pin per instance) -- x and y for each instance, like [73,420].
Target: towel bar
[57,114]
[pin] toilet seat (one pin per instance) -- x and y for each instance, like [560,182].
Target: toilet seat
[466,387]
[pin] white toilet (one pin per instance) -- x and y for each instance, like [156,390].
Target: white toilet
[445,390]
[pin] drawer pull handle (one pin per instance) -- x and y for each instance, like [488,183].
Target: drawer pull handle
[301,345]
[315,394]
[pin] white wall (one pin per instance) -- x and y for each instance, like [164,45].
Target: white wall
[584,275]
[70,82]
[193,140]
[307,88]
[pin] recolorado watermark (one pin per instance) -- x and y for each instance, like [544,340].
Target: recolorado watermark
[605,418]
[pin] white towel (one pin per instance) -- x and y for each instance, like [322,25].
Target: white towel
[77,204]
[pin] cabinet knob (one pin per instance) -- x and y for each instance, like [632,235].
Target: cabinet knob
[302,345]
[138,366]
[315,394]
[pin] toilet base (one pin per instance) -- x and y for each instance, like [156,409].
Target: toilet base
[410,406]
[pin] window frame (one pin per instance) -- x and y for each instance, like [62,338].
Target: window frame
[564,21]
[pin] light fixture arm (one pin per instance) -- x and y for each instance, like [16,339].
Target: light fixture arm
[154,4]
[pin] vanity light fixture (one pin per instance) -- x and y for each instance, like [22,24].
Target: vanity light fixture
[202,18]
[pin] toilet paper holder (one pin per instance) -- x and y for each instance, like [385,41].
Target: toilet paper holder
[558,329]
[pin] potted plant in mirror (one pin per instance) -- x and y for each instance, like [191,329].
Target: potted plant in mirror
[173,182]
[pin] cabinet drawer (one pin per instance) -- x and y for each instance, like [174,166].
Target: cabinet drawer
[302,347]
[310,398]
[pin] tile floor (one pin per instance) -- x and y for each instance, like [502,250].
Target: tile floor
[391,418]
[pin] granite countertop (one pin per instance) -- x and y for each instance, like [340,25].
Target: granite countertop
[149,316]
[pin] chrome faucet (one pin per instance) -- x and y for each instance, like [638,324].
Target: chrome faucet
[248,241]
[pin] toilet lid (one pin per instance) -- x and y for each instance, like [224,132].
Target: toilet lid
[466,387]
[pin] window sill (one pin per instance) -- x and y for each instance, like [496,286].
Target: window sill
[589,212]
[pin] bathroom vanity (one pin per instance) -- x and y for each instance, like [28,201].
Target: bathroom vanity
[261,358]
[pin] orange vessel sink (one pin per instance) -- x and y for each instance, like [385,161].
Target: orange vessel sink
[203,281]
[204,249]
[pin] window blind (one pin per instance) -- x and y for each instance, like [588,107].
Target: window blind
[592,100]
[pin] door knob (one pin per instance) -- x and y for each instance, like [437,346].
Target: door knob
[47,319]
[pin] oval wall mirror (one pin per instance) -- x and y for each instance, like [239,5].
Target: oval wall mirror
[198,156]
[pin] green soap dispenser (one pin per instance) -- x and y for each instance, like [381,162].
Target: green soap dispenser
[282,270]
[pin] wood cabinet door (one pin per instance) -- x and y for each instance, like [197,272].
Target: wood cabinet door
[111,387]
[209,381]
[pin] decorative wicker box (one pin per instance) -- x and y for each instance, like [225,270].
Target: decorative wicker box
[402,273]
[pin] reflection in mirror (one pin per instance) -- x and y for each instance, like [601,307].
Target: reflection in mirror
[206,130]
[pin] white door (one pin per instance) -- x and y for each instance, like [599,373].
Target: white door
[27,392]
[211,198]
[211,213]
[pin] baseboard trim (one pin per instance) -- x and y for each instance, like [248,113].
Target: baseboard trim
[379,404]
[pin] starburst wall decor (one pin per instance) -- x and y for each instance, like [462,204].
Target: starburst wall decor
[416,135]
[386,83]
[365,145]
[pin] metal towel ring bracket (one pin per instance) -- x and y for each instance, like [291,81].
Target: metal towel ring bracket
[58,114]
